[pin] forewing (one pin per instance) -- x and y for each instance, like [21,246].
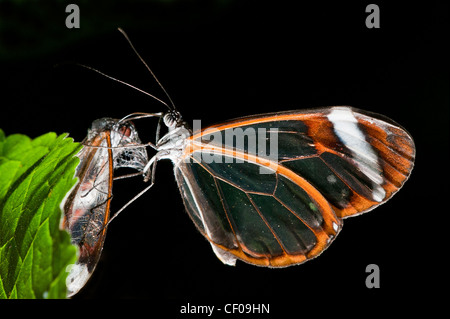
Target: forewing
[87,209]
[357,160]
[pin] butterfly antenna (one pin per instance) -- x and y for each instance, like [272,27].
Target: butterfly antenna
[122,82]
[172,107]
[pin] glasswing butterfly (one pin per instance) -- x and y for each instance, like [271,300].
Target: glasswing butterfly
[332,163]
[108,146]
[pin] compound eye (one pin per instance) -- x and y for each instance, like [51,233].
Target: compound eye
[170,120]
[125,130]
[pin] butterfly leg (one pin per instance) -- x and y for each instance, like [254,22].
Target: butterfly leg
[129,202]
[158,130]
[150,169]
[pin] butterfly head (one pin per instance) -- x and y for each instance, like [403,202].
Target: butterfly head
[172,119]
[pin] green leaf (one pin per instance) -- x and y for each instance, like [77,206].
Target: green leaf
[35,175]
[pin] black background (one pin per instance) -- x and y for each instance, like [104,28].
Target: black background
[225,59]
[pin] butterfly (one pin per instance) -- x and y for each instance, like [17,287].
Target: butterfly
[276,211]
[332,163]
[108,146]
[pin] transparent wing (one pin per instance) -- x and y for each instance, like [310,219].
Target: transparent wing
[87,210]
[330,164]
[265,219]
[356,159]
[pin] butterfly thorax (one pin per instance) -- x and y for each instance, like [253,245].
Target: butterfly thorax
[172,145]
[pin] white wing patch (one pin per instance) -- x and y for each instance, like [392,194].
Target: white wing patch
[346,128]
[77,278]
